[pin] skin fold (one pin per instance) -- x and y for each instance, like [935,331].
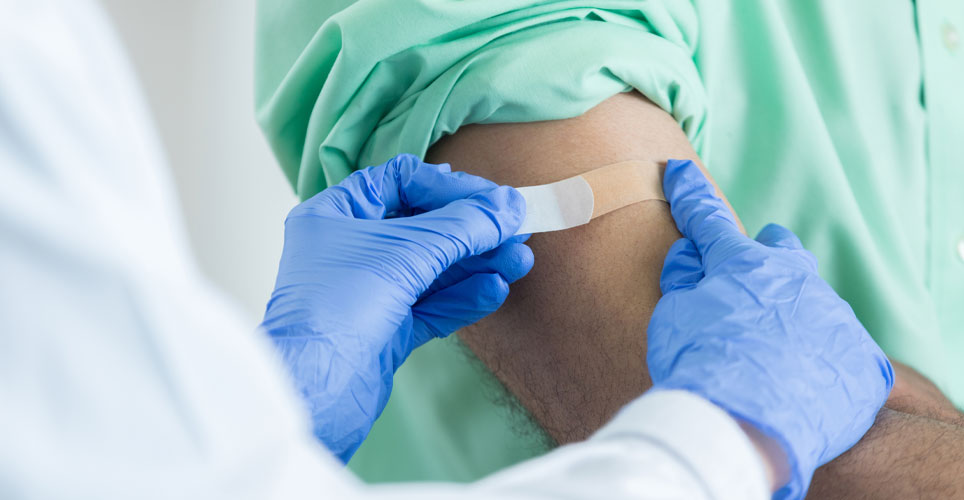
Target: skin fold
[570,342]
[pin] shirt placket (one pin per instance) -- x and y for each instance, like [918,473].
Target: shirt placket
[940,25]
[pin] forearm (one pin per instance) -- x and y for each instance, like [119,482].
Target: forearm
[902,456]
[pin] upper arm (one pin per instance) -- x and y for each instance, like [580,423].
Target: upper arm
[570,340]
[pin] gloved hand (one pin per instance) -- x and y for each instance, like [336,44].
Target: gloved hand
[357,292]
[749,325]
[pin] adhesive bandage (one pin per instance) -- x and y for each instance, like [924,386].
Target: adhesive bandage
[577,200]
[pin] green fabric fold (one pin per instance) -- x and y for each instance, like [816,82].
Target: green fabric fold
[384,77]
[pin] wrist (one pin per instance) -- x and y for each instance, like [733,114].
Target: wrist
[774,459]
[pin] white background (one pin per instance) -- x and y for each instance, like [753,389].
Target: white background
[195,61]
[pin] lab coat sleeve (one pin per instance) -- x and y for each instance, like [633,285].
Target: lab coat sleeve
[665,445]
[124,374]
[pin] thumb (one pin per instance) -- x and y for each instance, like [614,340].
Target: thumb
[457,306]
[682,268]
[700,214]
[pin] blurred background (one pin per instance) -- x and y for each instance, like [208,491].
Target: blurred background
[194,59]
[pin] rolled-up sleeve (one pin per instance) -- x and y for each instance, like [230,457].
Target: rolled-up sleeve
[341,87]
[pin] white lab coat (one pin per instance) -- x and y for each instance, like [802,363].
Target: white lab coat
[125,375]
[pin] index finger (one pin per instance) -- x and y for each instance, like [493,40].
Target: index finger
[402,185]
[700,215]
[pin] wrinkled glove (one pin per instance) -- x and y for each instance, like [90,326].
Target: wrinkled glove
[357,292]
[749,325]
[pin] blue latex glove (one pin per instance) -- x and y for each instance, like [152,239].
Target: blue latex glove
[357,292]
[749,325]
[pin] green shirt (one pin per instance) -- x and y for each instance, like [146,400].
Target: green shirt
[842,120]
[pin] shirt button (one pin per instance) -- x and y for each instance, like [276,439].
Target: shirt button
[952,39]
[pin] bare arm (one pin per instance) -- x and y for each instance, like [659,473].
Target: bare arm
[570,342]
[902,456]
[914,450]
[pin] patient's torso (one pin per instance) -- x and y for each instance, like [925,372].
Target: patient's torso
[841,120]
